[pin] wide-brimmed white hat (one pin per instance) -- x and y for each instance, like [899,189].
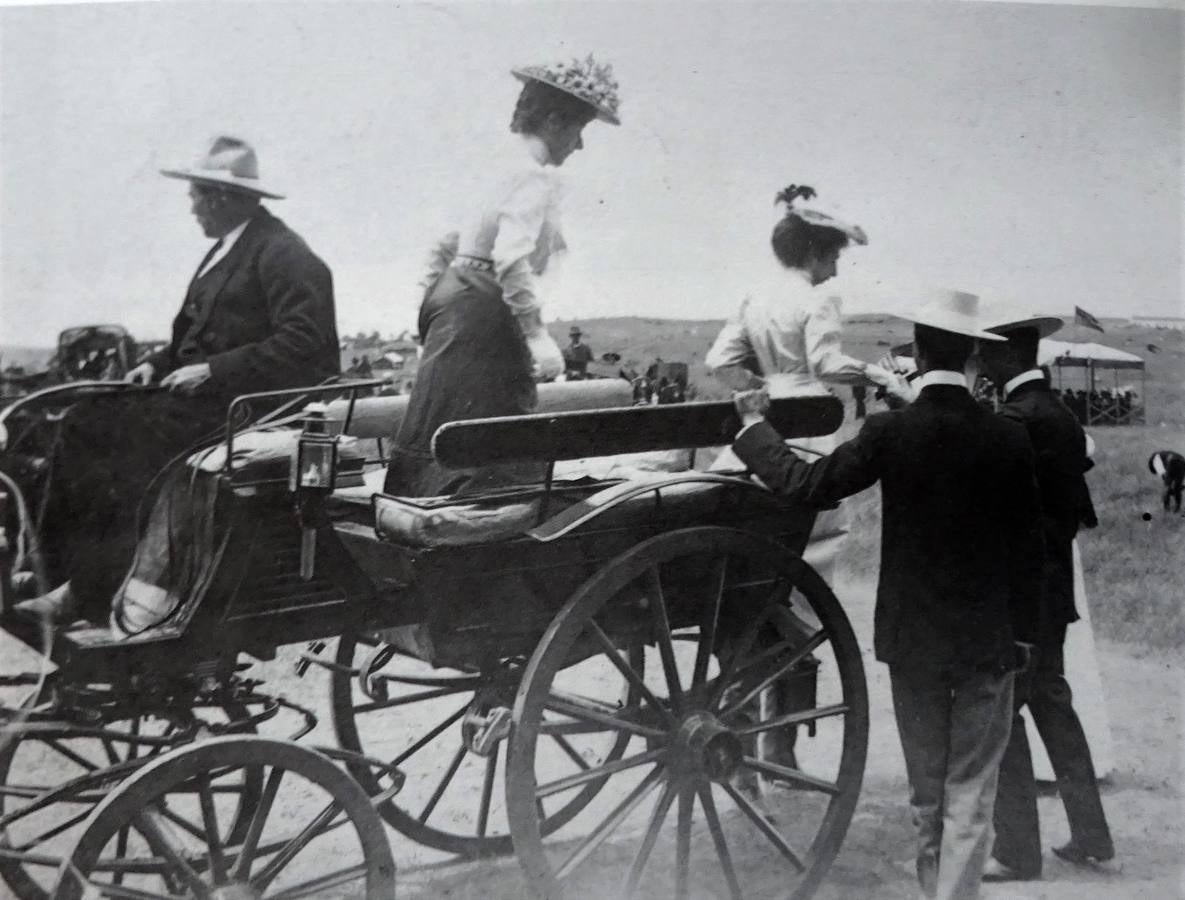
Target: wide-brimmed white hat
[229,162]
[950,310]
[1003,320]
[585,79]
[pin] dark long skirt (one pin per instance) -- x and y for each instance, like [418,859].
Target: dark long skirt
[475,364]
[110,451]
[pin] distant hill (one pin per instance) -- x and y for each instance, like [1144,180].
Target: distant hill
[32,359]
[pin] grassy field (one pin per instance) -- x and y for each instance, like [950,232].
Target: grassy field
[1135,570]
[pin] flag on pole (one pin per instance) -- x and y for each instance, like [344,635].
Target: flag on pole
[1082,317]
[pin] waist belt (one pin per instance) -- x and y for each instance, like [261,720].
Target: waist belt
[478,263]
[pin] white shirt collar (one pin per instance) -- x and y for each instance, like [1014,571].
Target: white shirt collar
[1013,383]
[537,148]
[941,376]
[228,241]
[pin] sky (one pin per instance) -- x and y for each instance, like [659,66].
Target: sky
[1029,153]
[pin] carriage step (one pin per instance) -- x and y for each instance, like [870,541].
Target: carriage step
[484,732]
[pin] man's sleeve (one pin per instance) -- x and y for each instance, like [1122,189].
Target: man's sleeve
[1027,550]
[851,468]
[298,290]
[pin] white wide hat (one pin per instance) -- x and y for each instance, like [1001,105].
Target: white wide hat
[229,162]
[1002,321]
[950,310]
[585,79]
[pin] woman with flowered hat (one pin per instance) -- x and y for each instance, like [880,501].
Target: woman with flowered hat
[480,321]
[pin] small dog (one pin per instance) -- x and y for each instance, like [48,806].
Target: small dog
[1170,467]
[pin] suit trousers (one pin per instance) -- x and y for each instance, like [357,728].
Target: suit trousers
[954,727]
[1018,835]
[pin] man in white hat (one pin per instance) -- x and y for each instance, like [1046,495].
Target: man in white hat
[1060,447]
[258,315]
[959,584]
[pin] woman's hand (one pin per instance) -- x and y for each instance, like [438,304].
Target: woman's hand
[546,356]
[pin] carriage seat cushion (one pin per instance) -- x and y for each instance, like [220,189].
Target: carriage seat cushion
[266,454]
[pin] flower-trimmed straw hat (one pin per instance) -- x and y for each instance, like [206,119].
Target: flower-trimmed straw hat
[789,194]
[229,162]
[584,79]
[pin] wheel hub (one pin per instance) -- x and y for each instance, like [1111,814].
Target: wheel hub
[709,746]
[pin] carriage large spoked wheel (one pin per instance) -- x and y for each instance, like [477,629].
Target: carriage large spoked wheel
[746,750]
[428,721]
[312,834]
[54,773]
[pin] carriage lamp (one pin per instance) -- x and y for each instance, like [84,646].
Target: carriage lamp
[311,476]
[314,462]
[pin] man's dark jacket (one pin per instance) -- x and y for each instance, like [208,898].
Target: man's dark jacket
[961,542]
[1060,447]
[262,316]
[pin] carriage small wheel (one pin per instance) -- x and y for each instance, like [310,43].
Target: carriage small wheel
[442,729]
[179,830]
[722,791]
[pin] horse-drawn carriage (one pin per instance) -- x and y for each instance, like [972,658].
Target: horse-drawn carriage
[576,671]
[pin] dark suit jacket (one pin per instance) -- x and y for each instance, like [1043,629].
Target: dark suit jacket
[960,538]
[262,317]
[1060,447]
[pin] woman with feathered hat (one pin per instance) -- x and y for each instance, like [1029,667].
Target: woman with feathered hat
[480,322]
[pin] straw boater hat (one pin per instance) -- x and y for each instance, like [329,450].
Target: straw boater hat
[229,163]
[583,79]
[949,310]
[1005,322]
[575,331]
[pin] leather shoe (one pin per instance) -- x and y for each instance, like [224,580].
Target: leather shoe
[995,870]
[57,607]
[1077,856]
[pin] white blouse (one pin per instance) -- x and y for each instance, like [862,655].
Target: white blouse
[515,223]
[788,332]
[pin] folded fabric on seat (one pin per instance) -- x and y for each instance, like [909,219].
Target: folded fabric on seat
[416,524]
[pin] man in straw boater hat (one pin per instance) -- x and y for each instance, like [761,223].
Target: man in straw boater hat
[258,315]
[1061,457]
[577,355]
[959,584]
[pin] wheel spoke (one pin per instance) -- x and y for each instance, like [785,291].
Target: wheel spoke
[662,625]
[600,772]
[707,640]
[427,738]
[181,822]
[615,818]
[75,758]
[487,791]
[785,773]
[709,805]
[683,840]
[311,831]
[657,815]
[571,751]
[741,650]
[444,783]
[242,866]
[579,711]
[763,825]
[798,656]
[119,892]
[317,886]
[798,718]
[210,823]
[148,824]
[52,832]
[633,677]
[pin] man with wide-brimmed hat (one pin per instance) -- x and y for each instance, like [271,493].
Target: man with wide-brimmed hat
[1061,452]
[258,315]
[959,585]
[577,355]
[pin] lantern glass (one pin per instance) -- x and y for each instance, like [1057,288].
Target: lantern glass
[316,464]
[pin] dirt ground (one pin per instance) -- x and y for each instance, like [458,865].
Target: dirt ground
[1143,797]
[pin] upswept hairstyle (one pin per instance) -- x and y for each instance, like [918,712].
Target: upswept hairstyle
[538,100]
[797,242]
